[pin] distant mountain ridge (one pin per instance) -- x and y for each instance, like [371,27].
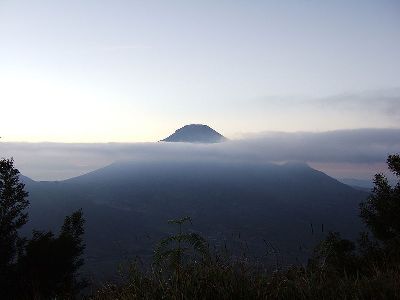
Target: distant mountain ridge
[195,133]
[367,184]
[126,206]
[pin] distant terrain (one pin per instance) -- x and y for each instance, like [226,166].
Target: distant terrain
[256,208]
[358,183]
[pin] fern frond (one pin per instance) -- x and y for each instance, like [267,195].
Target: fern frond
[174,248]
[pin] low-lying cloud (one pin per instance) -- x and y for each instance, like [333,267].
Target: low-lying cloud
[351,148]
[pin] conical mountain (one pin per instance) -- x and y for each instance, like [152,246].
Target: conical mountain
[195,133]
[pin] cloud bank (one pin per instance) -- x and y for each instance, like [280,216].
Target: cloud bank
[357,149]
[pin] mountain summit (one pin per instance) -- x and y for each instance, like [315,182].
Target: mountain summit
[195,133]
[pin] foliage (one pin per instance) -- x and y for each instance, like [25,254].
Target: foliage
[13,202]
[381,211]
[339,268]
[243,280]
[44,266]
[174,250]
[50,264]
[334,254]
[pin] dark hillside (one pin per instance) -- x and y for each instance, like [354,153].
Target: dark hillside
[126,206]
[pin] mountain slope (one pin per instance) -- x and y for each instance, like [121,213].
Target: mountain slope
[195,133]
[126,206]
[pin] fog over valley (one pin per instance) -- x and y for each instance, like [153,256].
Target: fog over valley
[355,153]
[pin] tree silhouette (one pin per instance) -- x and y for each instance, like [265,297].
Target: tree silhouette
[13,202]
[50,264]
[381,211]
[44,267]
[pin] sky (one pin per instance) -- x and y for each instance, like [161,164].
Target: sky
[134,71]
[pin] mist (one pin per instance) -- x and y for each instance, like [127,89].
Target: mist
[357,153]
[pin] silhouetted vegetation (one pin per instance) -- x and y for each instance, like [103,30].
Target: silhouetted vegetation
[382,210]
[45,266]
[13,202]
[179,249]
[338,269]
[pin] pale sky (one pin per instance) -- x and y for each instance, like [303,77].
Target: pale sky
[128,71]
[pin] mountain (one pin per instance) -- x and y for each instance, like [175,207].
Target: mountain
[241,205]
[25,179]
[195,133]
[358,183]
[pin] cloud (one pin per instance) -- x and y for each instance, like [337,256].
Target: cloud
[356,145]
[384,101]
[50,161]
